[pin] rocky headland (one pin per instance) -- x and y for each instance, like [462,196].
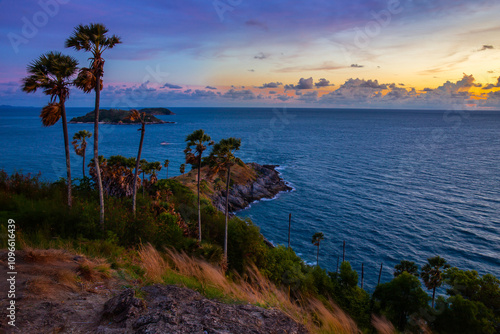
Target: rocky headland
[249,183]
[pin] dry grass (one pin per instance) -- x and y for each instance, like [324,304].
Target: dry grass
[382,325]
[53,273]
[95,270]
[153,263]
[255,289]
[332,319]
[45,256]
[52,284]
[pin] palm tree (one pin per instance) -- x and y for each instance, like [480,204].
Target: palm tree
[145,169]
[53,72]
[165,164]
[316,240]
[154,167]
[135,115]
[183,168]
[221,159]
[82,136]
[92,38]
[197,141]
[409,266]
[432,274]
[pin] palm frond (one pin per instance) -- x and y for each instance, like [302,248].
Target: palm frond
[30,84]
[50,114]
[92,38]
[52,73]
[85,80]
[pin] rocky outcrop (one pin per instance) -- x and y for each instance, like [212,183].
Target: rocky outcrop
[176,310]
[267,184]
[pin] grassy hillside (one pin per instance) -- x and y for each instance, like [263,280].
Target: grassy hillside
[159,245]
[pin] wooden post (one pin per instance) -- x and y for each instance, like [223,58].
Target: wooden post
[289,228]
[380,273]
[362,274]
[343,252]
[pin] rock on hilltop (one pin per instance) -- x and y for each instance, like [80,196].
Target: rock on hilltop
[176,310]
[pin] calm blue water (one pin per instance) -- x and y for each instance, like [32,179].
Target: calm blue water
[393,184]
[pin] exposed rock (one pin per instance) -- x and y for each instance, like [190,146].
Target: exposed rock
[267,184]
[122,307]
[175,310]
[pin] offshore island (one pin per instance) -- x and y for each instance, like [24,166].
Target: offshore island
[119,116]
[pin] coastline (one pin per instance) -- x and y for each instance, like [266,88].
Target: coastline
[277,168]
[267,185]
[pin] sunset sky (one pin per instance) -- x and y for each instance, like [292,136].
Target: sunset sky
[358,53]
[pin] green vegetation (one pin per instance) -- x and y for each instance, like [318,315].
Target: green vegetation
[409,266]
[157,111]
[168,218]
[166,164]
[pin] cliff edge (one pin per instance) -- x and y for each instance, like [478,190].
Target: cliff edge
[249,183]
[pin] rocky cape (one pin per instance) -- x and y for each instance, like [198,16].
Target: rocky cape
[267,184]
[250,182]
[118,116]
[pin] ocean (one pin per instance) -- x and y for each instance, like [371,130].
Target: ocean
[394,184]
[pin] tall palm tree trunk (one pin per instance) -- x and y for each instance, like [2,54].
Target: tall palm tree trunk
[433,295]
[66,148]
[96,148]
[136,172]
[199,202]
[317,257]
[143,185]
[227,212]
[83,166]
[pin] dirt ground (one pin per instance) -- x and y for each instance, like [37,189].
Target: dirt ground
[56,291]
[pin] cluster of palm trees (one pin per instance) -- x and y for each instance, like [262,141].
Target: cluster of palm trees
[220,160]
[432,272]
[54,73]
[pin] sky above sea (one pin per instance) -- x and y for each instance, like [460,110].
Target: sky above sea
[360,53]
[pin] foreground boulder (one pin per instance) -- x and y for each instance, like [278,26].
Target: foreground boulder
[176,310]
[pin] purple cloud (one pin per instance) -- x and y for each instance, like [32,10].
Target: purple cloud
[171,86]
